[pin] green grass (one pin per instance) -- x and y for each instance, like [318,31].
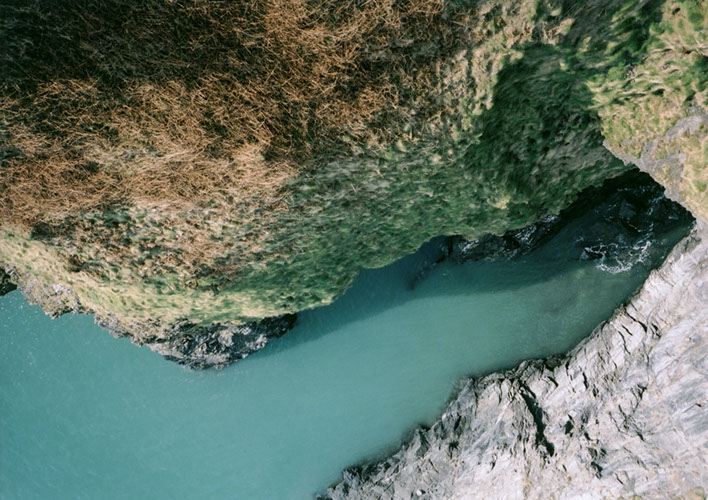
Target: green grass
[521,113]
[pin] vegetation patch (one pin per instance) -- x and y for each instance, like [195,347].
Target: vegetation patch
[228,161]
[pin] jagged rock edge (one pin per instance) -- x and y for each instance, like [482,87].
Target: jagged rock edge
[503,436]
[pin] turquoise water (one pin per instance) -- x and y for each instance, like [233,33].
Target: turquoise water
[83,415]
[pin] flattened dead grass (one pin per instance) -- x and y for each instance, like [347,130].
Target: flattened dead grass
[190,103]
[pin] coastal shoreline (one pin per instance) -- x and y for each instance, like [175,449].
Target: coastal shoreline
[624,413]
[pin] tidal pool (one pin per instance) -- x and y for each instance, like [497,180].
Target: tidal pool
[83,415]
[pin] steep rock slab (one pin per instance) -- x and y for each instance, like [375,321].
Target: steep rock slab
[625,413]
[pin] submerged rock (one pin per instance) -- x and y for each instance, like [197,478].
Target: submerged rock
[625,413]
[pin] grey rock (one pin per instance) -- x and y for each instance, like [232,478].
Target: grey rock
[673,165]
[55,298]
[624,413]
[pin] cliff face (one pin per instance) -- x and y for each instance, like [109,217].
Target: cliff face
[615,224]
[668,158]
[150,178]
[623,414]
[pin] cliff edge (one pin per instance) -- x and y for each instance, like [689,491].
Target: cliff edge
[183,170]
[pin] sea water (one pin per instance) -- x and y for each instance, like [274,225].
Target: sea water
[83,415]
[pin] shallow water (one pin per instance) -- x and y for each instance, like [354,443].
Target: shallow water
[83,415]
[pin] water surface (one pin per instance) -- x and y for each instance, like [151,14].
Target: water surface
[83,415]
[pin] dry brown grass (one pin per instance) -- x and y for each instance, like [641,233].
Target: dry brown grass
[184,103]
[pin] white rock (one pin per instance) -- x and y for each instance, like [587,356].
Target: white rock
[625,413]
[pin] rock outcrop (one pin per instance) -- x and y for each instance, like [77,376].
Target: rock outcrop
[6,286]
[623,414]
[615,224]
[210,346]
[185,343]
[674,160]
[165,165]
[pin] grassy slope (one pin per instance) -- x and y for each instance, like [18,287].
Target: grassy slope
[509,126]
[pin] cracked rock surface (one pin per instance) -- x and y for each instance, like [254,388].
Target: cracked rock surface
[625,413]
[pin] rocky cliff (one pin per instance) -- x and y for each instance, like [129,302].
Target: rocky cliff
[185,168]
[185,343]
[625,414]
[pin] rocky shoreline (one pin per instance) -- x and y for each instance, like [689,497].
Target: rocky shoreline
[156,204]
[213,346]
[608,222]
[194,346]
[625,413]
[6,286]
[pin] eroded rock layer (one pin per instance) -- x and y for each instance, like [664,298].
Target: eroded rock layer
[623,414]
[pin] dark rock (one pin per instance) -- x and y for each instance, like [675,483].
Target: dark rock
[219,345]
[610,222]
[508,246]
[6,286]
[195,346]
[212,346]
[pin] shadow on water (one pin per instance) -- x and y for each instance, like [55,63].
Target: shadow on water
[541,102]
[624,223]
